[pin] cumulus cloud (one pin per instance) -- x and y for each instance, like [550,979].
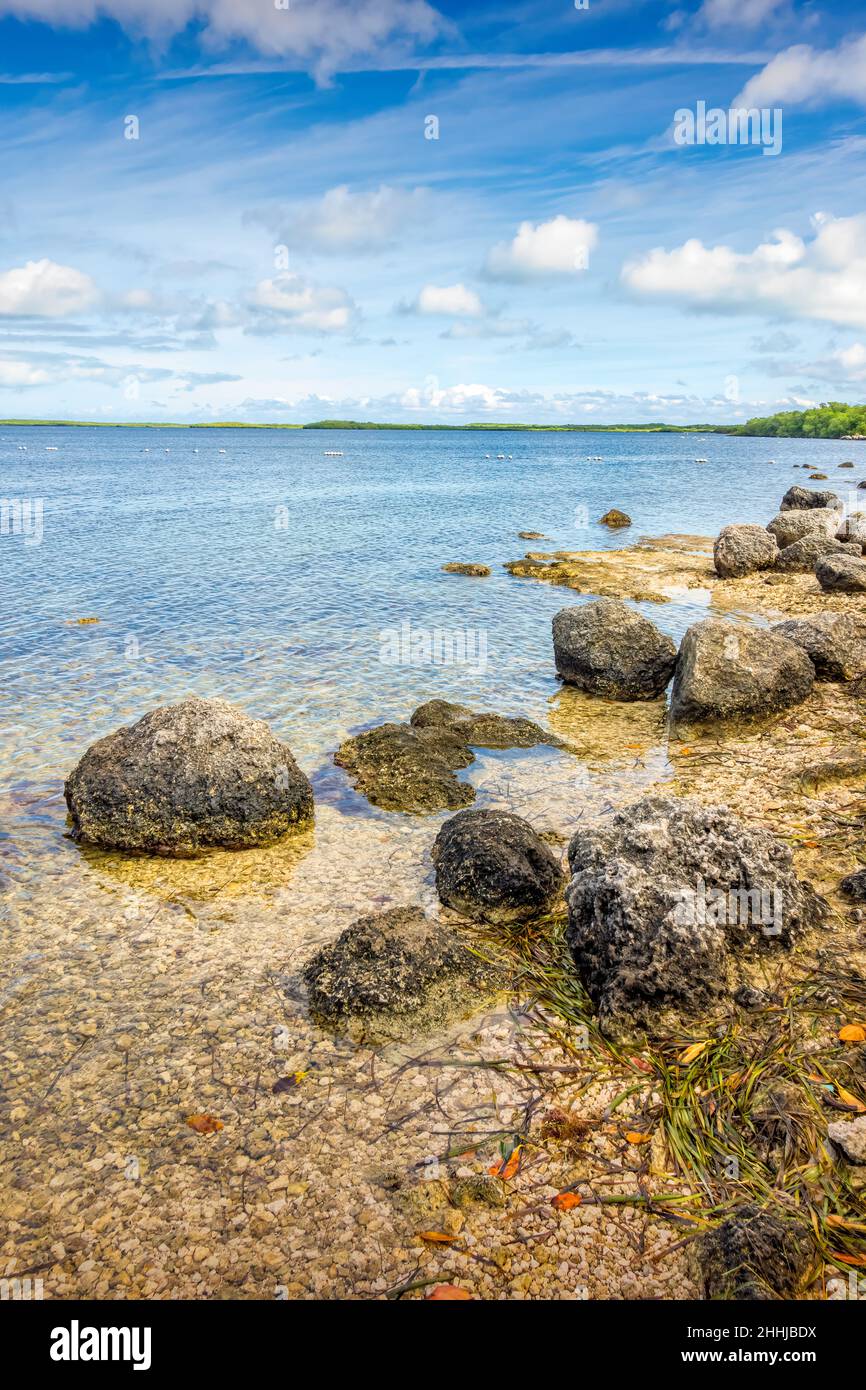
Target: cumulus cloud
[558,247]
[325,35]
[289,301]
[46,290]
[457,301]
[822,279]
[14,373]
[340,221]
[807,76]
[841,367]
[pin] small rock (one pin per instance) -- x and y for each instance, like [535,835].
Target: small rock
[608,649]
[854,886]
[531,536]
[816,477]
[493,866]
[805,498]
[615,519]
[474,571]
[849,1136]
[846,465]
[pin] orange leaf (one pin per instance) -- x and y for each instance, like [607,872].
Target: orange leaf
[690,1054]
[852,1032]
[509,1167]
[847,1097]
[448,1293]
[204,1124]
[564,1201]
[841,1223]
[640,1064]
[851,1259]
[436,1237]
[636,1136]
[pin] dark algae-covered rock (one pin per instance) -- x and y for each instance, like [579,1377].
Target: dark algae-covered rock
[472,570]
[754,1256]
[608,649]
[186,778]
[411,767]
[392,966]
[492,866]
[854,885]
[615,519]
[729,670]
[798,499]
[663,898]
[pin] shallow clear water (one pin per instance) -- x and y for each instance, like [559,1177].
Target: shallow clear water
[250,565]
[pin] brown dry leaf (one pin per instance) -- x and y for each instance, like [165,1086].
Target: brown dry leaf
[436,1237]
[444,1293]
[204,1124]
[690,1054]
[852,1032]
[564,1201]
[640,1064]
[509,1167]
[841,1223]
[637,1136]
[847,1097]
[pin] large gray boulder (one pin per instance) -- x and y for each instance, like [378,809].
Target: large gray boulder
[792,526]
[799,499]
[804,554]
[729,670]
[853,528]
[492,866]
[835,643]
[187,777]
[842,574]
[742,550]
[664,896]
[394,965]
[608,649]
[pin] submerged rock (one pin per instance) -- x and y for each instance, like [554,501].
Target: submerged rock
[492,866]
[849,1136]
[804,554]
[854,885]
[606,648]
[186,778]
[804,498]
[792,526]
[842,574]
[472,570]
[530,535]
[395,964]
[664,895]
[412,767]
[835,643]
[615,519]
[742,550]
[753,1256]
[728,670]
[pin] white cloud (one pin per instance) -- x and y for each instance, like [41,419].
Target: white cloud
[842,367]
[823,279]
[297,303]
[325,34]
[18,374]
[806,76]
[45,289]
[558,247]
[454,300]
[739,14]
[345,221]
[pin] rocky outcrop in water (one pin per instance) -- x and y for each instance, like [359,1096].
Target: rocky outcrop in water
[607,649]
[491,866]
[803,499]
[472,571]
[805,554]
[742,550]
[753,1256]
[185,778]
[615,519]
[842,574]
[792,526]
[728,671]
[412,767]
[664,897]
[395,968]
[835,643]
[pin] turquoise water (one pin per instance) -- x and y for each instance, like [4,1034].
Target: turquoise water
[250,565]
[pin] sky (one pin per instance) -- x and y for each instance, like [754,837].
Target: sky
[290,210]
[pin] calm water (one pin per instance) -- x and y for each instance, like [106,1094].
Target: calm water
[250,565]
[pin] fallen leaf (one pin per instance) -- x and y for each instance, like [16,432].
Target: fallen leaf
[637,1136]
[841,1223]
[693,1052]
[685,752]
[640,1064]
[564,1201]
[851,1259]
[508,1167]
[444,1293]
[847,1097]
[288,1083]
[204,1124]
[852,1032]
[437,1237]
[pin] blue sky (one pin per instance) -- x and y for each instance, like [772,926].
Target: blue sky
[283,240]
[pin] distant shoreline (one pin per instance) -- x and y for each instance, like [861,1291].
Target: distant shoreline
[364,425]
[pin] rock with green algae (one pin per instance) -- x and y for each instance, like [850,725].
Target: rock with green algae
[470,569]
[187,778]
[755,1255]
